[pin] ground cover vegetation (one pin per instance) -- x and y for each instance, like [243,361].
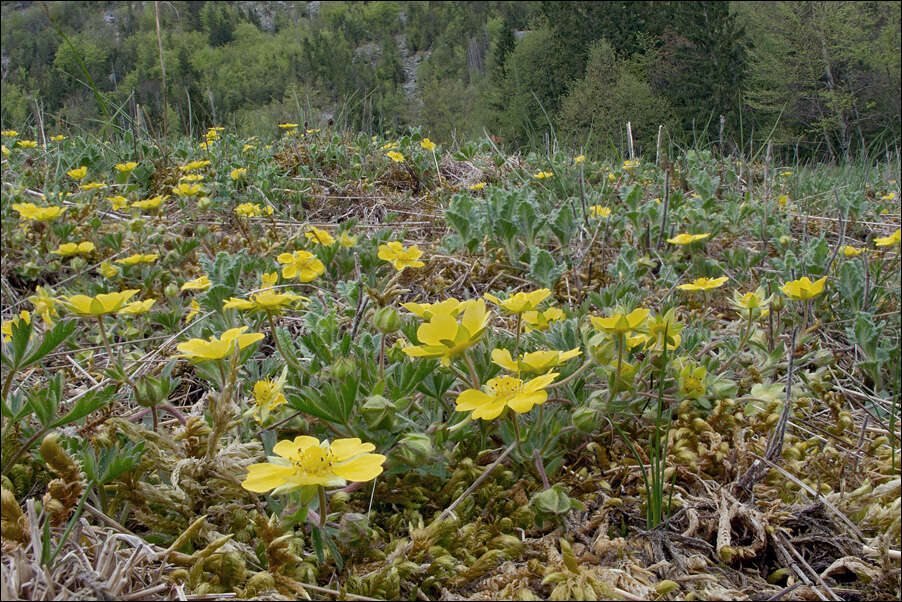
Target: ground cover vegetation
[337,357]
[334,364]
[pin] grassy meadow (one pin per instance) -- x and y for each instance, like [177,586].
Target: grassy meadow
[319,364]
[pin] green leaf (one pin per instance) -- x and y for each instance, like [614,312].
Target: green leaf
[562,225]
[542,267]
[89,403]
[21,331]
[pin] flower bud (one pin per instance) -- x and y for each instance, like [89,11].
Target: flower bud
[386,320]
[78,263]
[171,291]
[585,419]
[379,412]
[343,367]
[352,527]
[136,225]
[415,449]
[778,303]
[204,202]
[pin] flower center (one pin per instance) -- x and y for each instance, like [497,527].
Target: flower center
[506,386]
[315,460]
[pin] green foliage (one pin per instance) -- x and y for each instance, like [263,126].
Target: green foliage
[594,113]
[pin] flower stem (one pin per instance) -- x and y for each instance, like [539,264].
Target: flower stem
[291,363]
[322,505]
[472,369]
[517,348]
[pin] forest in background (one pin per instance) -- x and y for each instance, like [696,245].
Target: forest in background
[820,80]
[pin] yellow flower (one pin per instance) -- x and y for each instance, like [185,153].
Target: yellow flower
[307,461]
[267,301]
[785,173]
[30,211]
[269,280]
[138,307]
[444,337]
[268,395]
[44,304]
[118,202]
[685,239]
[319,237]
[72,248]
[4,150]
[288,126]
[186,189]
[195,309]
[395,253]
[803,289]
[619,324]
[389,146]
[109,270]
[238,173]
[9,133]
[98,305]
[703,284]
[200,283]
[199,350]
[78,173]
[541,320]
[505,392]
[58,138]
[252,210]
[26,143]
[6,328]
[247,147]
[450,306]
[193,165]
[535,362]
[92,186]
[301,264]
[127,167]
[631,164]
[347,240]
[395,156]
[138,258]
[782,200]
[612,177]
[151,203]
[752,303]
[541,175]
[657,327]
[579,159]
[888,197]
[850,251]
[428,144]
[599,211]
[886,241]
[477,186]
[521,301]
[192,177]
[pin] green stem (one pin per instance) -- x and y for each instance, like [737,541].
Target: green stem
[620,342]
[517,347]
[516,429]
[291,363]
[25,446]
[322,505]
[382,356]
[69,527]
[567,380]
[7,383]
[472,369]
